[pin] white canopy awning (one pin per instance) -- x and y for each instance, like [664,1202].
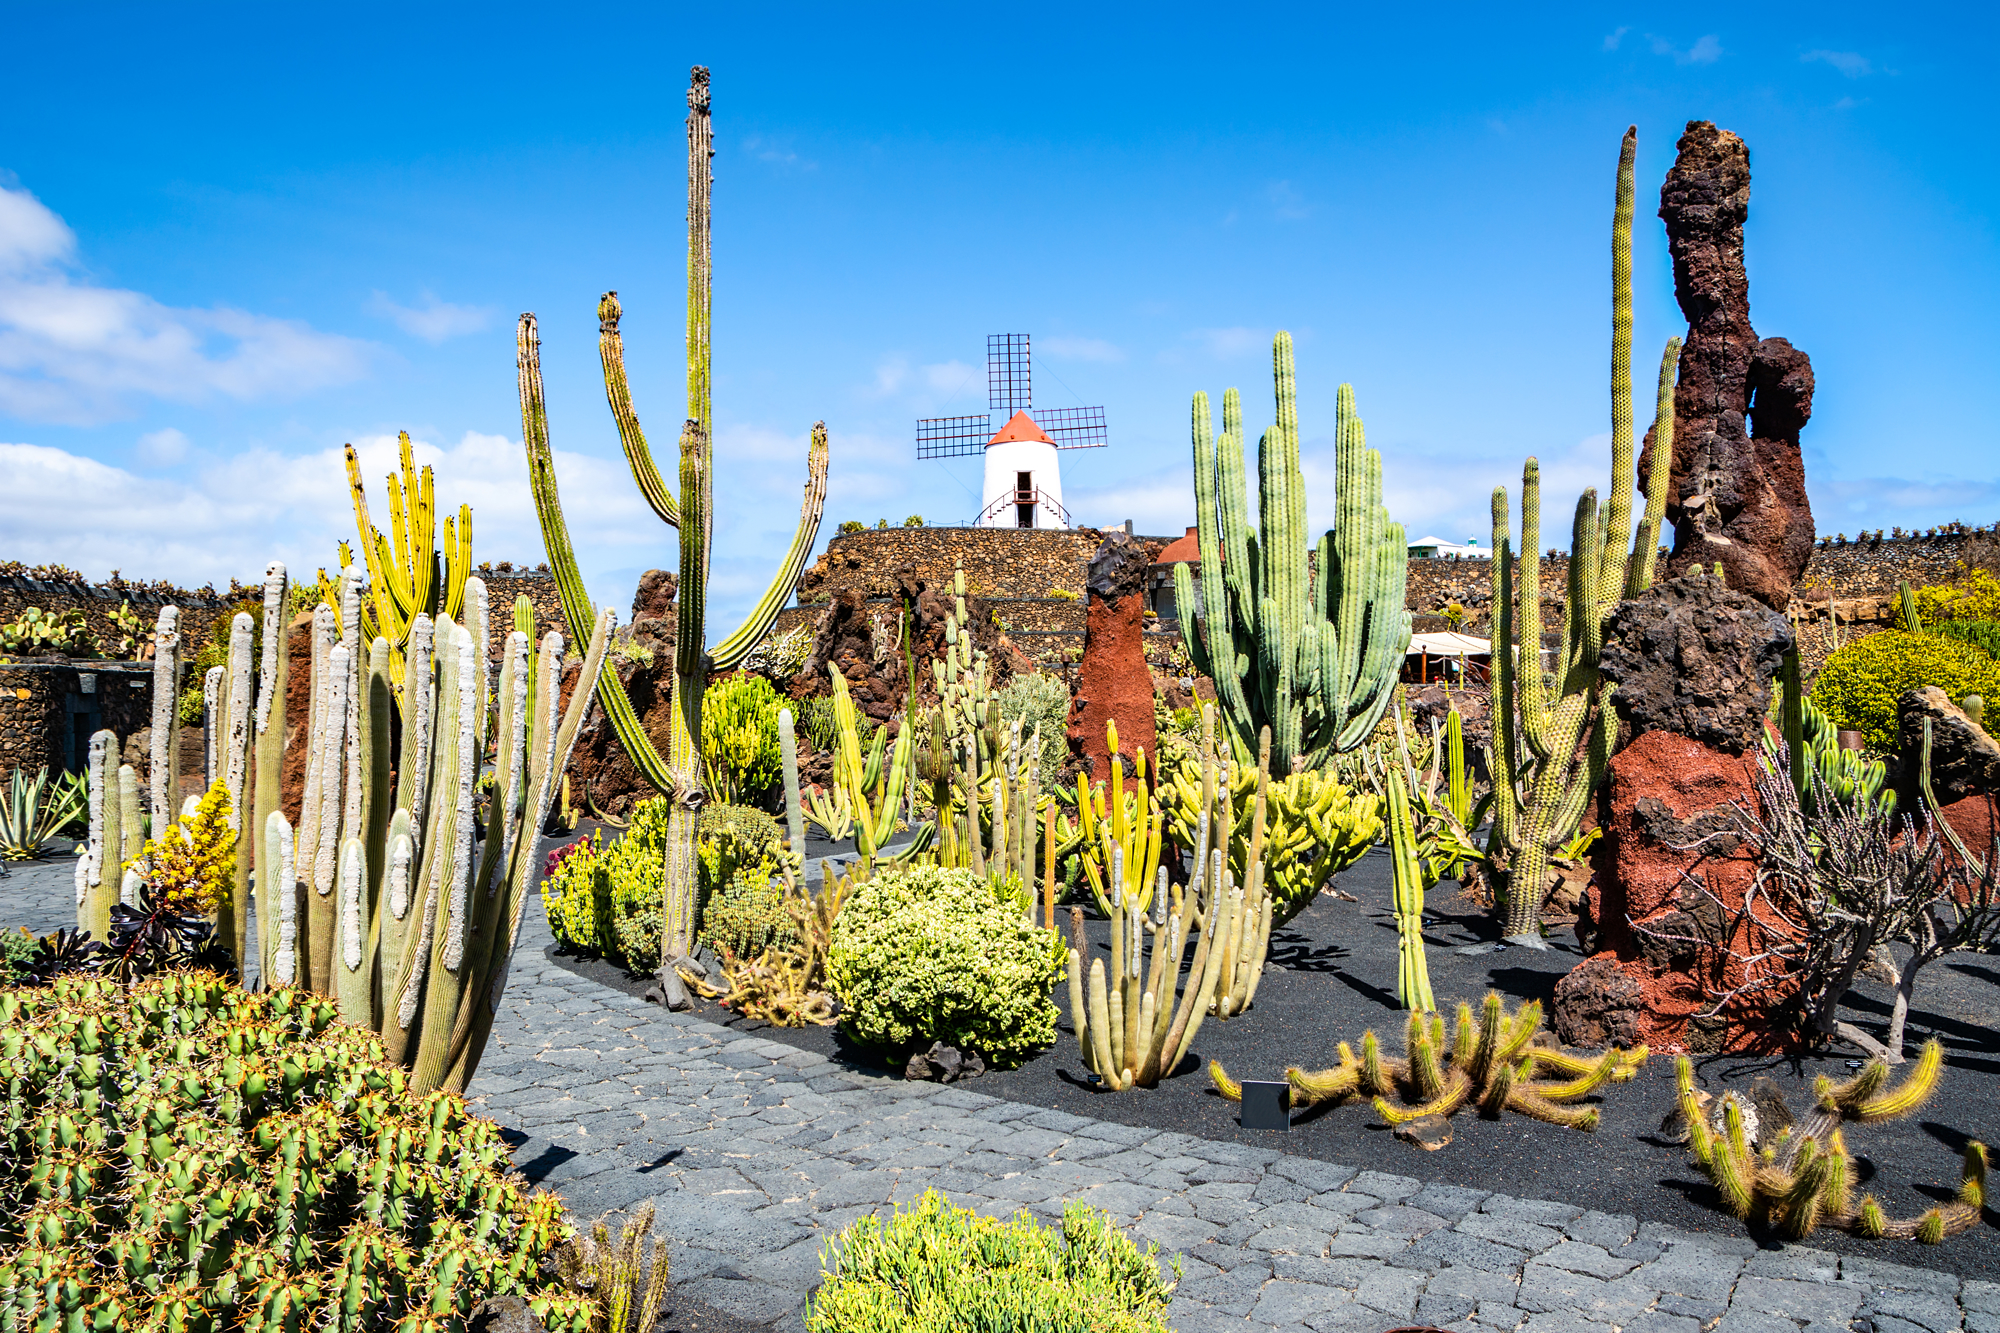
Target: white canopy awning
[1447,644]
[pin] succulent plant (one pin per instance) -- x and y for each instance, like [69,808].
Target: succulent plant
[186,1155]
[1492,1062]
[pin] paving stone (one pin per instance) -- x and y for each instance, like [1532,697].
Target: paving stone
[1580,1258]
[1884,1323]
[1981,1296]
[1929,1310]
[1290,1240]
[1872,1272]
[1747,1318]
[1516,1232]
[1447,1201]
[1326,1272]
[1314,1175]
[1562,1321]
[1174,1233]
[1800,1301]
[1440,1310]
[1363,1244]
[1400,1220]
[1391,1290]
[1797,1263]
[1282,1302]
[1234,1291]
[1606,1230]
[1389,1189]
[1474,1284]
[1656,1321]
[1693,1307]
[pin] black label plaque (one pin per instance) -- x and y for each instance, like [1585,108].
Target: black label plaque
[1267,1105]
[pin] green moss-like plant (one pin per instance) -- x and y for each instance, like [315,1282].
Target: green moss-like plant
[181,1154]
[927,954]
[1035,699]
[1859,685]
[934,1267]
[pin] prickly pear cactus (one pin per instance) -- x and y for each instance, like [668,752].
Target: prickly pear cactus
[185,1155]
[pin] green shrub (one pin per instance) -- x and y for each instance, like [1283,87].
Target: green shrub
[852,525]
[181,1154]
[1979,633]
[1859,685]
[742,851]
[935,1267]
[929,954]
[604,897]
[1036,698]
[739,738]
[16,948]
[1974,595]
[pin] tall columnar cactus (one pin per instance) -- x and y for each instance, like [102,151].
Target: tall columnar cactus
[679,772]
[1311,653]
[382,901]
[1546,766]
[407,574]
[788,747]
[164,763]
[1413,974]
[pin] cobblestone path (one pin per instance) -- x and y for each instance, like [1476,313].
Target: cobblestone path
[754,1151]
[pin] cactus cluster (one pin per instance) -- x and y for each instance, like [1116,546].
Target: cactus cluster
[1307,647]
[1822,770]
[376,898]
[1493,1062]
[1135,1025]
[182,1155]
[1800,1176]
[1545,769]
[1315,825]
[407,575]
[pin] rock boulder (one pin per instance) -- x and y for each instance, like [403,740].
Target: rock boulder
[1965,760]
[1695,658]
[1113,682]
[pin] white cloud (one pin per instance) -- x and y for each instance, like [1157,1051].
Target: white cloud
[1287,204]
[228,519]
[1706,50]
[776,153]
[1611,39]
[76,353]
[1231,343]
[1851,63]
[161,447]
[1079,349]
[433,321]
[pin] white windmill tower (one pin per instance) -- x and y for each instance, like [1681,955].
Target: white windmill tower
[1023,485]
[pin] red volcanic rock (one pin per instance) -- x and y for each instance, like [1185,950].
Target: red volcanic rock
[1113,682]
[1665,950]
[298,715]
[1738,493]
[1975,819]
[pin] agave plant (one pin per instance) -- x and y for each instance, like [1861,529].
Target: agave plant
[35,811]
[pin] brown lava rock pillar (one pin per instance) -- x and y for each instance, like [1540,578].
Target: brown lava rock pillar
[1113,684]
[1738,490]
[1693,662]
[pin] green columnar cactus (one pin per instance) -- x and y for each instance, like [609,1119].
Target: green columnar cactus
[273,682]
[679,773]
[407,573]
[788,745]
[231,733]
[1413,975]
[1312,655]
[1545,768]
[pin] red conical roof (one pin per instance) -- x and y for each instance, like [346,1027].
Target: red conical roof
[1020,427]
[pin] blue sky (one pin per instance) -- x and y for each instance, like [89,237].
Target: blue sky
[234,238]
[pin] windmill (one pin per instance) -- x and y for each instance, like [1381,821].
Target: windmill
[1023,486]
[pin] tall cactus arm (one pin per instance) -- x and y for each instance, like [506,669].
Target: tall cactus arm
[700,267]
[1618,510]
[1646,542]
[1503,757]
[692,602]
[611,694]
[729,654]
[611,350]
[1528,614]
[383,576]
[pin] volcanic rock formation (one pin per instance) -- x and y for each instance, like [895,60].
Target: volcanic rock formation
[1695,658]
[1738,491]
[1113,683]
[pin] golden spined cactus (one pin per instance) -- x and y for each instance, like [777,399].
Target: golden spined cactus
[408,575]
[1798,1178]
[1136,1020]
[1492,1062]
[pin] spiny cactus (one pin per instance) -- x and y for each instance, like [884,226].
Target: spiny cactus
[375,898]
[625,1283]
[788,750]
[1413,975]
[1311,654]
[1801,1177]
[679,773]
[1545,769]
[1136,1024]
[407,575]
[1492,1063]
[163,769]
[182,1154]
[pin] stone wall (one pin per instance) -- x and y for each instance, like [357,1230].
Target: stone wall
[999,562]
[505,582]
[49,711]
[199,608]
